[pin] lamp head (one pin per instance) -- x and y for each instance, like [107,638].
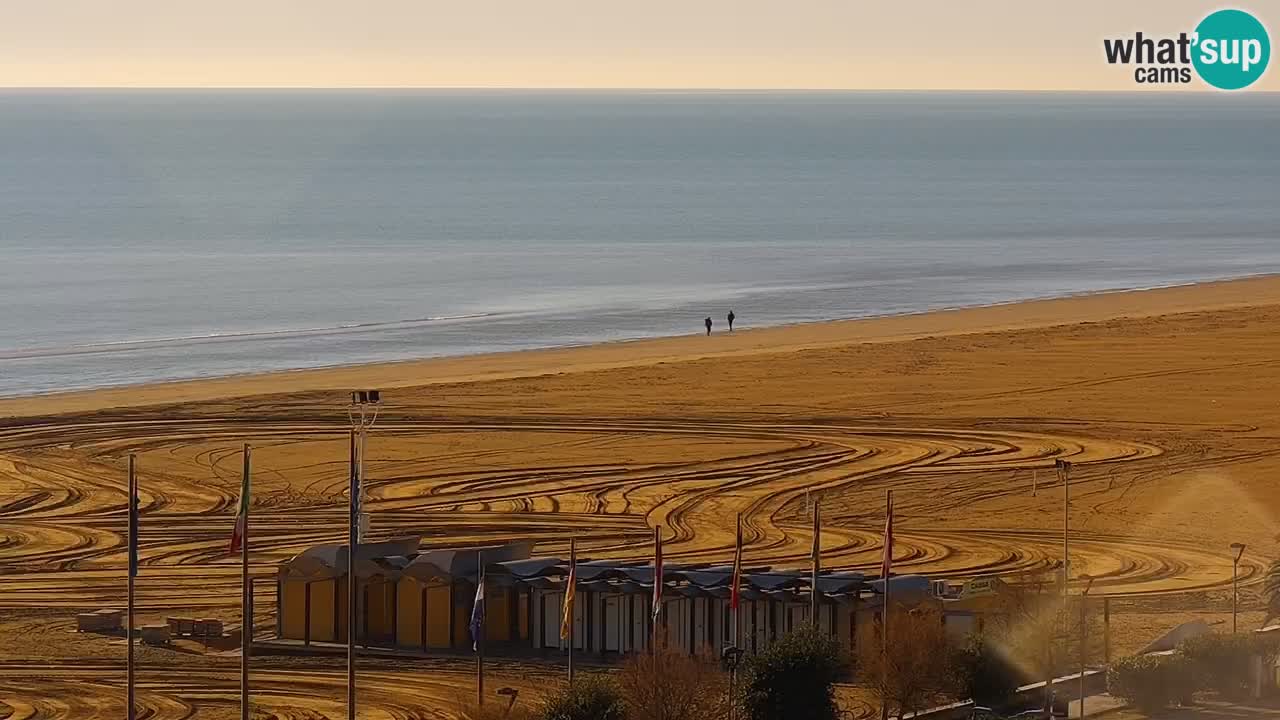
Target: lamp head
[366,397]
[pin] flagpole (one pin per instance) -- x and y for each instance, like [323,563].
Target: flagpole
[887,567]
[571,597]
[1064,472]
[817,562]
[246,598]
[352,544]
[133,570]
[657,584]
[735,599]
[737,590]
[479,639]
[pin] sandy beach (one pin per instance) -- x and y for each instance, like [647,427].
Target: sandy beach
[1164,400]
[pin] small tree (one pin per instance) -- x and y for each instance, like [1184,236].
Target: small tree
[913,670]
[670,685]
[983,672]
[793,679]
[1271,591]
[1150,682]
[1038,631]
[1220,662]
[495,709]
[589,697]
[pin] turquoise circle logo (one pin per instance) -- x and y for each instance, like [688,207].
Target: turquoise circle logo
[1232,49]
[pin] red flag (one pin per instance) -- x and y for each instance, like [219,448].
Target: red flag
[817,564]
[657,572]
[134,517]
[736,588]
[887,565]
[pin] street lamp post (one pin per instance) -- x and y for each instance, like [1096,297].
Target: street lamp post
[1084,601]
[1063,469]
[362,412]
[1064,474]
[1235,575]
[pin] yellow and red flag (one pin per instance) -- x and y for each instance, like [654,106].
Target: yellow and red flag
[570,593]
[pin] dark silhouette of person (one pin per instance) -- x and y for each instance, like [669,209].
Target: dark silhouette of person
[707,322]
[731,317]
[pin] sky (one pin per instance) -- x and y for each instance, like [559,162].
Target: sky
[727,44]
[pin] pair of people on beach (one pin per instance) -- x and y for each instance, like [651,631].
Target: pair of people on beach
[708,323]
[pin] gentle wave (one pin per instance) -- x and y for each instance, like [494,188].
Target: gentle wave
[114,346]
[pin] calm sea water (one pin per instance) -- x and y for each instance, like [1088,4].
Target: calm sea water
[163,235]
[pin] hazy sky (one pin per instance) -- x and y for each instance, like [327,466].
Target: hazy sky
[920,44]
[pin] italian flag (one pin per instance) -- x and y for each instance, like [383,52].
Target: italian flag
[242,517]
[570,594]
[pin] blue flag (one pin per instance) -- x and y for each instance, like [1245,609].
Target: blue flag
[133,530]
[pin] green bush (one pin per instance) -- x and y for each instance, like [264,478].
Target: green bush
[793,679]
[589,697]
[983,673]
[1221,662]
[1151,682]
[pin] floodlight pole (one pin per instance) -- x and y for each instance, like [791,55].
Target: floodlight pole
[1063,469]
[362,413]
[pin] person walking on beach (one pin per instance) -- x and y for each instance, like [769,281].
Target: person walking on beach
[707,322]
[731,317]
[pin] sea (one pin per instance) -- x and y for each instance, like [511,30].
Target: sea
[174,234]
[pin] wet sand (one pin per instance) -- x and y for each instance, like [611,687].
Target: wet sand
[1163,399]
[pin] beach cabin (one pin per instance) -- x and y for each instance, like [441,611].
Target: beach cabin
[421,600]
[406,598]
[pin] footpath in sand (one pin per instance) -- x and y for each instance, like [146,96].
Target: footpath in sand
[1164,400]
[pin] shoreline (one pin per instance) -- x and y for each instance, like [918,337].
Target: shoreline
[107,347]
[1078,308]
[1163,400]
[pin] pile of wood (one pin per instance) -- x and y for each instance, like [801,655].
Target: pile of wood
[193,627]
[100,621]
[155,634]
